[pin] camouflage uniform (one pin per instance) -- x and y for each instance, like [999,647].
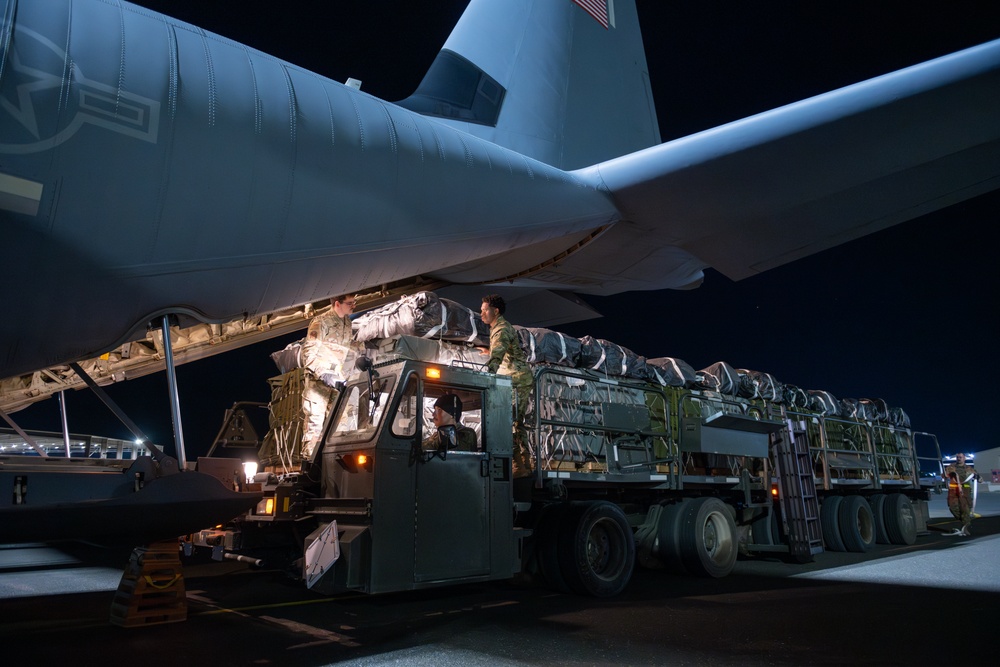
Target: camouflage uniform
[465,440]
[325,350]
[507,358]
[327,341]
[960,492]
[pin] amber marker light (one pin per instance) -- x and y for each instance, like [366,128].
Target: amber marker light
[434,373]
[774,490]
[362,460]
[265,507]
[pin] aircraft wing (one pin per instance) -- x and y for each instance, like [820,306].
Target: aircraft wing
[766,190]
[167,170]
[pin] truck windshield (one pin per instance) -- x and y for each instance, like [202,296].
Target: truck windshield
[360,412]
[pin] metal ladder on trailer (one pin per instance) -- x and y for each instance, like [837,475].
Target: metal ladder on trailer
[797,490]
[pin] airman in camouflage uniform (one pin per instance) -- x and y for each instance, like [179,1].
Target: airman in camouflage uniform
[325,351]
[507,358]
[960,499]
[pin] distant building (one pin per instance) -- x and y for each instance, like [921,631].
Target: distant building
[988,465]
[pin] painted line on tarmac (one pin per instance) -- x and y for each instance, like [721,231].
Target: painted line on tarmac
[320,635]
[274,605]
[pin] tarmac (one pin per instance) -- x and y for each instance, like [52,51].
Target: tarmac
[957,568]
[887,606]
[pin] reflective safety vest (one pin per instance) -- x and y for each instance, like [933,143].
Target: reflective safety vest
[954,486]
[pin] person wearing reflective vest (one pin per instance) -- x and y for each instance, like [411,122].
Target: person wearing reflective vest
[962,480]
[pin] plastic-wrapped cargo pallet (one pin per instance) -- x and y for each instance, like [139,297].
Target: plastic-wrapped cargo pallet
[430,328]
[424,315]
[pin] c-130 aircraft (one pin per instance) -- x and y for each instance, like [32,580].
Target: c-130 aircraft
[170,170]
[167,170]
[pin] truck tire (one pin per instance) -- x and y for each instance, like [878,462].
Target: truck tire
[667,547]
[877,502]
[857,524]
[708,538]
[830,521]
[547,546]
[765,528]
[900,521]
[597,549]
[646,539]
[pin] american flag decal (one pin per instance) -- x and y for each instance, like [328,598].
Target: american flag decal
[602,10]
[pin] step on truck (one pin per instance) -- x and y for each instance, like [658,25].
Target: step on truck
[625,473]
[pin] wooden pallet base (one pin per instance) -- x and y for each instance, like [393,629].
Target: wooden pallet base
[573,466]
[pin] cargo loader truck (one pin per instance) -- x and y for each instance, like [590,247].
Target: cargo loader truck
[625,473]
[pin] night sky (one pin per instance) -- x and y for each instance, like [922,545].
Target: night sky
[907,314]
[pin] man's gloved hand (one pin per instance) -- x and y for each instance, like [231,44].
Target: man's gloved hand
[331,379]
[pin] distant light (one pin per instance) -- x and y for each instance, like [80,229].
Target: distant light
[138,442]
[249,470]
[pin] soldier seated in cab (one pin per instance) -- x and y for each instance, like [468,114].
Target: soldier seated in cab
[450,434]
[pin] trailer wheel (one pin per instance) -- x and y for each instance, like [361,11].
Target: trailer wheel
[830,521]
[900,522]
[547,546]
[765,528]
[597,550]
[857,524]
[877,503]
[646,539]
[667,547]
[708,538]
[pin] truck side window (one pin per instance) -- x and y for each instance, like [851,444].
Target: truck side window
[470,421]
[404,422]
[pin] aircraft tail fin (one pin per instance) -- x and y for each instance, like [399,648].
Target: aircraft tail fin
[562,81]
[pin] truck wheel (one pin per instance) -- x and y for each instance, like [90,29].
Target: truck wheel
[900,522]
[667,547]
[765,528]
[877,503]
[829,520]
[857,525]
[646,539]
[547,546]
[708,538]
[597,550]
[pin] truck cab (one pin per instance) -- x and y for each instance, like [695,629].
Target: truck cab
[410,515]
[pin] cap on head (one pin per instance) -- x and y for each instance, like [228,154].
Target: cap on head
[451,404]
